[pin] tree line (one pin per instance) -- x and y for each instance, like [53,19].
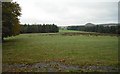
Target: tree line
[97,28]
[10,21]
[38,28]
[11,11]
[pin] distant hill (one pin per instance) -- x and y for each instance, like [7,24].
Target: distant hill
[89,24]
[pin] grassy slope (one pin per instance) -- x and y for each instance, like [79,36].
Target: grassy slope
[31,48]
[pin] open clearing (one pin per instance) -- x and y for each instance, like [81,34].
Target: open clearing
[71,52]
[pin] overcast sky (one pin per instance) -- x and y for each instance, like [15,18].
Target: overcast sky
[68,12]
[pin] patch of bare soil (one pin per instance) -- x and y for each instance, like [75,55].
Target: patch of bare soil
[55,67]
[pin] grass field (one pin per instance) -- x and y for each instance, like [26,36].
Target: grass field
[78,50]
[63,31]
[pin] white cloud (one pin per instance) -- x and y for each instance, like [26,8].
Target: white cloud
[67,12]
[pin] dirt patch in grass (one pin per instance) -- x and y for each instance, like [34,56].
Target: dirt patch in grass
[55,67]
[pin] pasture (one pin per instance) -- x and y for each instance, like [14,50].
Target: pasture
[70,50]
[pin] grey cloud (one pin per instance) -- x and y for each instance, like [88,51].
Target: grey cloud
[73,12]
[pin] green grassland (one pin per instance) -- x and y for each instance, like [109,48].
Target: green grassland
[63,31]
[73,50]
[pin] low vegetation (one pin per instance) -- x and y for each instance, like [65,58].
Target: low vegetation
[80,50]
